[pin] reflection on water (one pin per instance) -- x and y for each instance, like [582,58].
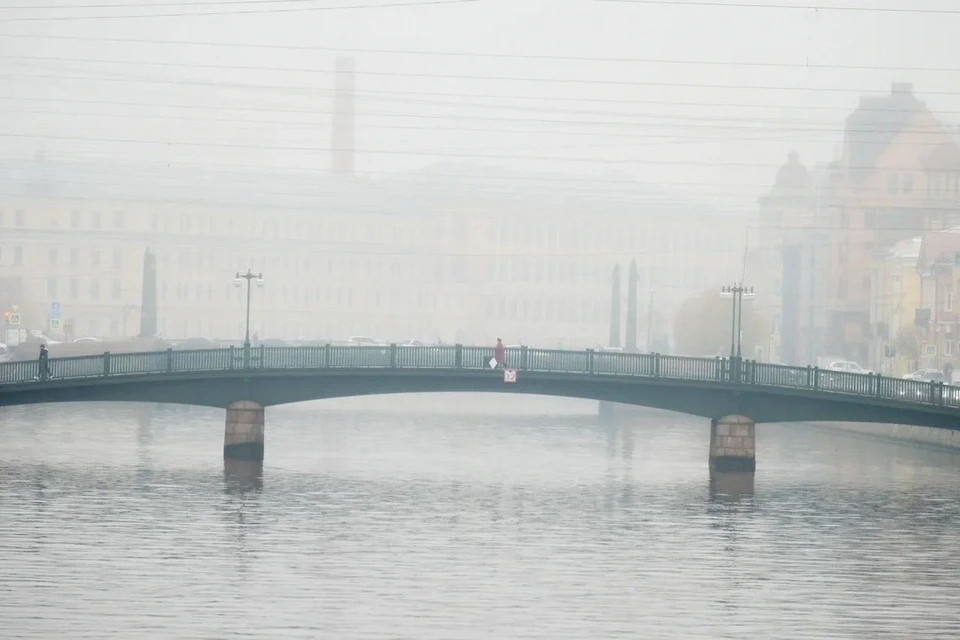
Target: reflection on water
[243,475]
[731,487]
[468,525]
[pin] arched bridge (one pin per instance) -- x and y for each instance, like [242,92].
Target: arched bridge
[733,393]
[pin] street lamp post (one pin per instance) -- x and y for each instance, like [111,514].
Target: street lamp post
[737,293]
[248,276]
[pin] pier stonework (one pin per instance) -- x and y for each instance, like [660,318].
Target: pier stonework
[243,431]
[733,444]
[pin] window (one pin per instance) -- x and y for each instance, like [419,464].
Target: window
[892,182]
[95,258]
[115,290]
[94,289]
[95,220]
[18,255]
[19,218]
[51,287]
[907,182]
[52,255]
[948,303]
[74,257]
[155,222]
[118,219]
[74,219]
[117,258]
[74,288]
[949,348]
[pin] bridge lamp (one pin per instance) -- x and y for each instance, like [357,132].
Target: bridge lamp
[249,276]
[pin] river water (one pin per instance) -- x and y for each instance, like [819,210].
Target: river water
[465,518]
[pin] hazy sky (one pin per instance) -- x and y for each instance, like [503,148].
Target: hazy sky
[703,99]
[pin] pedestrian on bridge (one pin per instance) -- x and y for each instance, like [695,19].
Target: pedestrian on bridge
[500,354]
[44,363]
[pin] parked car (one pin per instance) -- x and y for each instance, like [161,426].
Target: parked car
[363,341]
[846,366]
[927,375]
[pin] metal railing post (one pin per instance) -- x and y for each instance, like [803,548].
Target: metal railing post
[327,349]
[232,356]
[523,357]
[393,355]
[169,360]
[589,360]
[106,363]
[458,356]
[262,359]
[656,365]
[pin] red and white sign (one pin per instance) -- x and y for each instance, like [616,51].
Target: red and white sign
[509,375]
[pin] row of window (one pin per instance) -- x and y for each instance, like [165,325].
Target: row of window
[590,235]
[72,289]
[548,310]
[937,183]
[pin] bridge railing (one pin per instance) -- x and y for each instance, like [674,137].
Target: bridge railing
[600,363]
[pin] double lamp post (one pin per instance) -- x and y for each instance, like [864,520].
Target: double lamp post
[737,293]
[249,276]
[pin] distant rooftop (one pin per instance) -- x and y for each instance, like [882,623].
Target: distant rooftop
[452,186]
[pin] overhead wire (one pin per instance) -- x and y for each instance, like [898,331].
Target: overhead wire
[412,152]
[787,6]
[445,76]
[480,54]
[275,10]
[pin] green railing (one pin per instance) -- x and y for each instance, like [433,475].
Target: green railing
[458,357]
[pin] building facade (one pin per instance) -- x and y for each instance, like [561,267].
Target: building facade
[431,261]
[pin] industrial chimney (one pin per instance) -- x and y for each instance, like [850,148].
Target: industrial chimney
[342,149]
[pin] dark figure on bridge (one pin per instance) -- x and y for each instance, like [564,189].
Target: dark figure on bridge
[500,354]
[44,363]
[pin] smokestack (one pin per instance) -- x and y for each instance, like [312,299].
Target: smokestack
[342,154]
[615,309]
[148,296]
[630,344]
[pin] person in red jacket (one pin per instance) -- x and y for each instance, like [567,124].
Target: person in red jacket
[500,354]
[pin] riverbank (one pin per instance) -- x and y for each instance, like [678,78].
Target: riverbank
[901,433]
[926,436]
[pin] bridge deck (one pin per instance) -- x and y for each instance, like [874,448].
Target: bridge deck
[14,375]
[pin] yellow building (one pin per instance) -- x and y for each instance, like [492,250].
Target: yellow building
[880,196]
[896,296]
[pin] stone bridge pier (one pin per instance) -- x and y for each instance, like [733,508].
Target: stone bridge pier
[243,432]
[733,445]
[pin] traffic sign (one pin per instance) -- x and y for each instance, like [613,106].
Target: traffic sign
[54,324]
[509,376]
[493,363]
[54,309]
[14,320]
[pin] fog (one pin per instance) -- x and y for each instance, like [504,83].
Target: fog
[480,172]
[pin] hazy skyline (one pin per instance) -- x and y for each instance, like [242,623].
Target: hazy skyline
[649,90]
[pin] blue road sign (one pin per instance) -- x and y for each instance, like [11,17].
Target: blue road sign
[54,309]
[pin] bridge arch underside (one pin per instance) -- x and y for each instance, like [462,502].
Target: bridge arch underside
[701,398]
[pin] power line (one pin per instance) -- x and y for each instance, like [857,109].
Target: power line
[417,3]
[412,152]
[798,7]
[389,180]
[365,93]
[139,5]
[478,54]
[645,139]
[439,76]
